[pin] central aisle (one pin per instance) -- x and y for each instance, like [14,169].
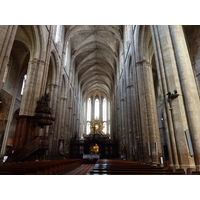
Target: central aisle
[82,170]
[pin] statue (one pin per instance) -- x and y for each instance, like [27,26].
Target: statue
[43,112]
[42,105]
[94,148]
[61,145]
[123,152]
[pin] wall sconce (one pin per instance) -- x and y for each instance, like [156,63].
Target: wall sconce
[172,96]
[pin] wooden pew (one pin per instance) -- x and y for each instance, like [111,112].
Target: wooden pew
[120,167]
[55,167]
[135,173]
[196,173]
[29,168]
[125,167]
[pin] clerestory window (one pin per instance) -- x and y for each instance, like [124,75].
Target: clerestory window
[23,84]
[89,110]
[96,108]
[58,32]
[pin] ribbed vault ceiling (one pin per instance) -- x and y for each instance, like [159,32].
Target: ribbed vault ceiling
[95,52]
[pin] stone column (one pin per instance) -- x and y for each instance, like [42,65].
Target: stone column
[171,141]
[32,87]
[48,50]
[60,117]
[7,35]
[129,121]
[176,106]
[137,118]
[122,133]
[154,134]
[69,122]
[126,129]
[53,98]
[74,123]
[189,87]
[145,139]
[65,129]
[50,130]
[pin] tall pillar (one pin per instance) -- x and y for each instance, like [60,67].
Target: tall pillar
[50,130]
[177,109]
[170,133]
[130,121]
[64,118]
[137,117]
[145,139]
[69,122]
[60,131]
[154,134]
[53,97]
[32,87]
[149,113]
[126,129]
[189,88]
[7,35]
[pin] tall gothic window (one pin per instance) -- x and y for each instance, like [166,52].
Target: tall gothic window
[96,113]
[58,30]
[23,84]
[89,110]
[88,116]
[88,128]
[104,116]
[104,110]
[66,53]
[105,127]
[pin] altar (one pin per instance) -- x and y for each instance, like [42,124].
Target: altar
[94,145]
[91,156]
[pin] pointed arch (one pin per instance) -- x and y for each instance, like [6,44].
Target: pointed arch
[142,39]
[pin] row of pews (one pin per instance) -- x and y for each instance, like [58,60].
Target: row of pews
[122,167]
[54,167]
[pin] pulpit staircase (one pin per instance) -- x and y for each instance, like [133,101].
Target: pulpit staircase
[39,143]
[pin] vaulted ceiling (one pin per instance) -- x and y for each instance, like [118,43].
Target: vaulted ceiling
[95,53]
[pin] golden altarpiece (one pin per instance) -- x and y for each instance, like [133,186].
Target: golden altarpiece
[94,143]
